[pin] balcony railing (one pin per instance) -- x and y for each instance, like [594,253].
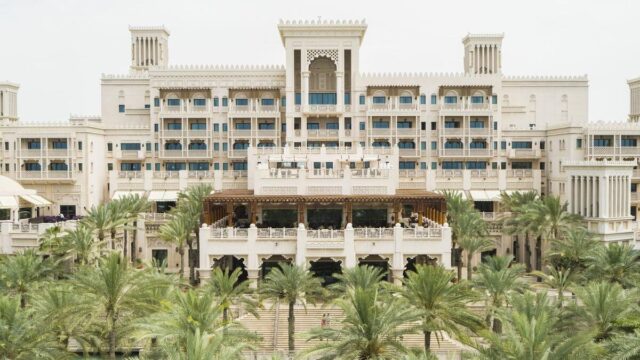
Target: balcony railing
[479,131]
[198,133]
[266,133]
[408,152]
[320,133]
[197,153]
[238,153]
[381,132]
[31,152]
[58,152]
[480,152]
[407,132]
[241,133]
[172,153]
[172,133]
[453,131]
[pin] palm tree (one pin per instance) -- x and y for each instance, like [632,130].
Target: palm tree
[573,250]
[373,327]
[229,291]
[441,303]
[19,273]
[132,206]
[624,347]
[472,236]
[22,337]
[117,213]
[292,284]
[82,245]
[559,279]
[115,295]
[499,279]
[51,242]
[615,263]
[516,204]
[531,333]
[177,231]
[456,206]
[190,203]
[364,277]
[204,346]
[99,220]
[602,305]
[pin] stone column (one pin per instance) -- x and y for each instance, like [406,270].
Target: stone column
[205,268]
[349,247]
[301,242]
[305,90]
[230,214]
[340,90]
[252,257]
[397,267]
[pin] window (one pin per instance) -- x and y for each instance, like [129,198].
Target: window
[494,99]
[175,166]
[225,128]
[477,99]
[625,142]
[434,165]
[68,211]
[331,126]
[379,99]
[156,102]
[224,146]
[197,146]
[155,127]
[362,99]
[599,142]
[147,106]
[404,124]
[579,143]
[216,127]
[173,146]
[160,257]
[450,124]
[406,99]
[542,165]
[423,99]
[225,166]
[322,99]
[157,166]
[453,145]
[495,125]
[267,102]
[199,166]
[120,108]
[406,145]
[434,99]
[317,165]
[521,145]
[266,144]
[477,144]
[634,187]
[452,165]
[79,145]
[58,166]
[347,123]
[503,145]
[148,166]
[240,165]
[313,126]
[225,102]
[109,166]
[329,165]
[33,144]
[173,102]
[406,165]
[434,145]
[298,99]
[80,167]
[423,145]
[130,146]
[283,101]
[266,126]
[450,99]
[242,102]
[381,143]
[216,166]
[130,166]
[199,102]
[434,125]
[522,165]
[347,98]
[155,146]
[476,165]
[31,166]
[380,124]
[198,126]
[542,144]
[59,144]
[216,102]
[174,125]
[423,166]
[240,145]
[476,124]
[495,145]
[362,126]
[216,146]
[6,145]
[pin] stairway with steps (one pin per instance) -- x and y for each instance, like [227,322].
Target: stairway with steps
[272,326]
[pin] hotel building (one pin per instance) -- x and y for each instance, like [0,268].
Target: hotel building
[315,162]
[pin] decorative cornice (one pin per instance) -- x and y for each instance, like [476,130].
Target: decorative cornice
[321,22]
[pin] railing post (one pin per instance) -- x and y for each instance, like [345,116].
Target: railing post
[349,247]
[252,258]
[397,267]
[446,245]
[301,241]
[203,247]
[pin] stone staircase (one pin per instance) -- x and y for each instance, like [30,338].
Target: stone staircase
[272,327]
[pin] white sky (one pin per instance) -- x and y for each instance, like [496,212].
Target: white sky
[56,50]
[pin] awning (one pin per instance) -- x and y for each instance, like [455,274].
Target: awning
[120,194]
[8,202]
[460,192]
[36,200]
[485,195]
[163,196]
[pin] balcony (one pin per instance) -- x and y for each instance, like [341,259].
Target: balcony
[603,150]
[172,133]
[57,152]
[237,153]
[45,175]
[465,107]
[131,154]
[479,131]
[241,133]
[411,132]
[453,131]
[524,153]
[186,109]
[380,132]
[322,133]
[172,153]
[324,108]
[409,152]
[630,150]
[32,153]
[480,152]
[197,153]
[267,133]
[199,134]
[451,152]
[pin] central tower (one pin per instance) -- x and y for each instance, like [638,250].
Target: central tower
[483,53]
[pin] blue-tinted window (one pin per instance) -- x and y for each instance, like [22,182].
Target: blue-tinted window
[224,146]
[30,166]
[379,99]
[266,126]
[362,99]
[384,144]
[332,126]
[79,145]
[242,126]
[225,102]
[477,99]
[147,106]
[216,127]
[130,146]
[527,165]
[423,145]
[198,126]
[434,99]
[109,147]
[476,165]
[58,166]
[242,102]
[121,108]
[626,142]
[60,144]
[521,145]
[199,166]
[197,146]
[476,124]
[283,101]
[216,166]
[240,145]
[434,145]
[347,98]
[156,102]
[175,166]
[451,124]
[494,99]
[406,99]
[298,98]
[601,142]
[503,145]
[579,144]
[130,166]
[216,102]
[33,144]
[225,128]
[478,145]
[423,99]
[148,166]
[362,125]
[450,99]
[155,146]
[313,126]
[265,144]
[322,98]
[200,102]
[406,165]
[216,146]
[423,166]
[406,145]
[157,166]
[329,165]
[404,124]
[173,146]
[495,125]
[225,166]
[453,145]
[174,125]
[173,102]
[380,124]
[155,127]
[267,102]
[317,165]
[452,165]
[434,165]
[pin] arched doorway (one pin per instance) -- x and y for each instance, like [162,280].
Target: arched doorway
[378,262]
[271,262]
[231,263]
[418,260]
[325,268]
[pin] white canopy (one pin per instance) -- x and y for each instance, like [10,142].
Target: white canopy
[36,200]
[8,202]
[163,195]
[119,194]
[485,195]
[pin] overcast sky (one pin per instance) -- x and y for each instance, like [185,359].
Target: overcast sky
[57,50]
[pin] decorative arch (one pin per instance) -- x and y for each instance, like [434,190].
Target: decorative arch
[479,93]
[452,93]
[379,93]
[406,93]
[332,54]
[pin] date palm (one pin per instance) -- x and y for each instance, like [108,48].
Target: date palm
[363,276]
[373,327]
[550,219]
[516,204]
[132,207]
[498,278]
[472,236]
[229,291]
[115,295]
[559,279]
[615,263]
[99,220]
[292,284]
[177,231]
[441,304]
[82,245]
[204,346]
[118,216]
[573,250]
[21,272]
[456,207]
[624,347]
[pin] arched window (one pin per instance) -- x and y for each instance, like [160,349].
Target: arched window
[379,97]
[266,144]
[381,143]
[406,97]
[405,144]
[451,97]
[198,146]
[173,146]
[453,144]
[478,144]
[240,145]
[477,98]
